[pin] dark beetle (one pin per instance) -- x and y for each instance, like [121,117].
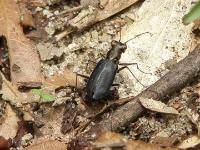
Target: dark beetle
[102,77]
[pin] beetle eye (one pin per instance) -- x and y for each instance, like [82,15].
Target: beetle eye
[123,47]
[115,60]
[113,43]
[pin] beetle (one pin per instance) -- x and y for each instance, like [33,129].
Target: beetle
[101,79]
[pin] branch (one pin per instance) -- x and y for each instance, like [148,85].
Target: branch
[177,78]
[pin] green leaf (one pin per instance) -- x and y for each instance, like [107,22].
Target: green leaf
[45,97]
[193,15]
[36,91]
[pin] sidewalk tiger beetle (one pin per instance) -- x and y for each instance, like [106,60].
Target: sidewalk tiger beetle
[102,77]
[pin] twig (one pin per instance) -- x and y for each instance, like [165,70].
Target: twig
[177,78]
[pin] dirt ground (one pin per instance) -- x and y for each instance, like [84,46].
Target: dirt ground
[166,42]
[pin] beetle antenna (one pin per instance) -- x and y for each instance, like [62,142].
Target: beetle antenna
[120,34]
[136,36]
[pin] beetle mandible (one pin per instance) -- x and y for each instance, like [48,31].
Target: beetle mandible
[101,79]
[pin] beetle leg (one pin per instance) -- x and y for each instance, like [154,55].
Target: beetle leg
[115,84]
[120,69]
[81,75]
[127,64]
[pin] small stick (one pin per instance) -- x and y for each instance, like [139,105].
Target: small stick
[182,74]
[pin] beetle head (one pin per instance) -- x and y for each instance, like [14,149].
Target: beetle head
[117,49]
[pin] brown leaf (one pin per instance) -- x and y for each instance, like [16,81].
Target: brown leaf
[164,141]
[8,127]
[26,17]
[24,60]
[157,106]
[4,144]
[67,78]
[91,14]
[37,35]
[10,93]
[86,3]
[69,117]
[190,142]
[47,145]
[114,140]
[24,127]
[35,3]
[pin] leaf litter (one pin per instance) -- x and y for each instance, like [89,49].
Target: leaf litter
[71,54]
[157,106]
[23,71]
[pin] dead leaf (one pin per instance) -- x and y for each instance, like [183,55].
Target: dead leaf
[9,126]
[166,41]
[26,17]
[115,140]
[190,142]
[51,122]
[86,3]
[193,116]
[47,145]
[4,144]
[164,141]
[157,106]
[37,35]
[67,78]
[10,93]
[24,127]
[35,3]
[90,15]
[69,117]
[24,59]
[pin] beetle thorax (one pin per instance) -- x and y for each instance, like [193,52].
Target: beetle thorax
[116,51]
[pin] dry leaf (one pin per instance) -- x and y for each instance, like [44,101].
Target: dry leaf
[190,142]
[157,106]
[24,128]
[169,39]
[114,140]
[86,3]
[164,141]
[69,117]
[26,17]
[9,126]
[24,59]
[67,78]
[91,14]
[35,3]
[10,93]
[4,144]
[47,145]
